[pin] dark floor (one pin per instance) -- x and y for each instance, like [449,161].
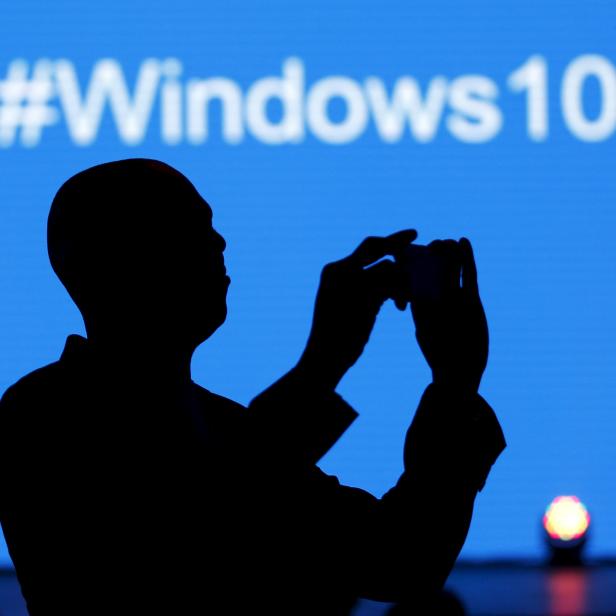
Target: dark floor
[496,589]
[517,589]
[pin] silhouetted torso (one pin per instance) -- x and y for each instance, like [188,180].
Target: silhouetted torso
[122,497]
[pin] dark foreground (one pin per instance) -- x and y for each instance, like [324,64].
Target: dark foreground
[496,589]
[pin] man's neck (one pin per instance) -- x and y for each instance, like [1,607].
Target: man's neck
[147,358]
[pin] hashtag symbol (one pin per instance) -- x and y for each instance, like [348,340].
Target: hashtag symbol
[25,108]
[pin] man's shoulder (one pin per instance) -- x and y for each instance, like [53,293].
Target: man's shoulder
[212,400]
[36,384]
[25,407]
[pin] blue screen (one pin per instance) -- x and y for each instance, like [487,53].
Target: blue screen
[308,126]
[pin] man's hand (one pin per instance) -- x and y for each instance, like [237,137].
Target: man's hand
[349,298]
[452,331]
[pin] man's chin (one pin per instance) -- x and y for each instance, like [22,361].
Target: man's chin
[210,324]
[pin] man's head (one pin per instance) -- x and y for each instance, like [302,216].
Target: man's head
[133,243]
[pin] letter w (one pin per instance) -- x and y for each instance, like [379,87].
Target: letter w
[406,103]
[107,83]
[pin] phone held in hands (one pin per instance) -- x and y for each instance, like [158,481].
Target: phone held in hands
[431,272]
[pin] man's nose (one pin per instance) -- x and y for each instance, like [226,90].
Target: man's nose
[220,241]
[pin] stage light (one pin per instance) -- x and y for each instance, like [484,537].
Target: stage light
[566,523]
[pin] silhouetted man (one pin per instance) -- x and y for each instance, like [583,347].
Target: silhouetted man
[126,488]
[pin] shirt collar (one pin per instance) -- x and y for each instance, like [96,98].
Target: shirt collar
[75,348]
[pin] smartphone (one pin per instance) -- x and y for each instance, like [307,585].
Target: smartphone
[430,273]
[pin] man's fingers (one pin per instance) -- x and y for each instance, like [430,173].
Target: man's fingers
[401,303]
[447,266]
[384,281]
[469,269]
[374,248]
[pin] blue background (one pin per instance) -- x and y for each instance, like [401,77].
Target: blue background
[541,216]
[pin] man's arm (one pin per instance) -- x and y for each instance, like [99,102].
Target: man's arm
[406,542]
[301,415]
